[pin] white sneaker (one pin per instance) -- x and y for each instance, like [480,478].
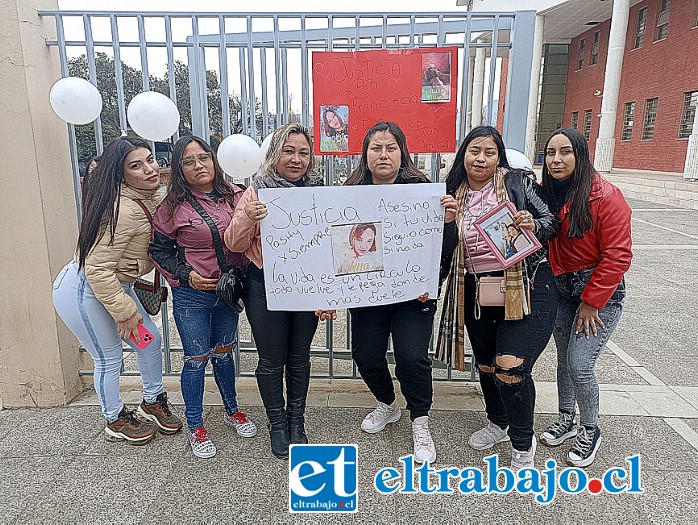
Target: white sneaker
[488,437]
[381,416]
[523,459]
[241,423]
[201,444]
[424,449]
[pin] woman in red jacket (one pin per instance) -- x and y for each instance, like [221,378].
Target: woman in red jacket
[589,258]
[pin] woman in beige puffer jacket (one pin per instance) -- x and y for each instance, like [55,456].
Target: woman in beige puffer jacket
[94,293]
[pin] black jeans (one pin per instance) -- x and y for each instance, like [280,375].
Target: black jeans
[410,324]
[512,403]
[283,338]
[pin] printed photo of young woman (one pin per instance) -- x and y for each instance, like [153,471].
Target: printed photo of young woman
[357,248]
[334,129]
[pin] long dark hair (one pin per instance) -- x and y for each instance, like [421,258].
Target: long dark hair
[578,194]
[407,167]
[102,192]
[178,189]
[458,174]
[330,131]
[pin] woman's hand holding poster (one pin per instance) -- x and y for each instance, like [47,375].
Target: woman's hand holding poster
[349,247]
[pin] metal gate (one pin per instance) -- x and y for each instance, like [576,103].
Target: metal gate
[249,73]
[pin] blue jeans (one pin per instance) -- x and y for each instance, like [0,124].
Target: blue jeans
[576,355]
[205,323]
[96,330]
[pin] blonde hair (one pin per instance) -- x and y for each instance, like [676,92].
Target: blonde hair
[271,159]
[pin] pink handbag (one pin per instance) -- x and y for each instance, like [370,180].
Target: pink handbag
[491,291]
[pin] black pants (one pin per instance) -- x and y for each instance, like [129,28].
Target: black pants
[410,324]
[491,336]
[283,338]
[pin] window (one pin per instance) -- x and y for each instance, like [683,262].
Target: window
[587,123]
[580,55]
[575,119]
[640,31]
[595,48]
[688,114]
[628,119]
[663,20]
[650,118]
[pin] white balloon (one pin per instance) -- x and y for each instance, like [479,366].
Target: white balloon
[76,100]
[239,156]
[153,116]
[518,160]
[265,144]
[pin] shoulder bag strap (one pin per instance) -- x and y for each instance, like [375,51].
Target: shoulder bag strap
[156,282]
[217,242]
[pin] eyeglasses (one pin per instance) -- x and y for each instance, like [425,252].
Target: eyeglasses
[203,158]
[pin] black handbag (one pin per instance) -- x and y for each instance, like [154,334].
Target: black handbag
[230,287]
[151,295]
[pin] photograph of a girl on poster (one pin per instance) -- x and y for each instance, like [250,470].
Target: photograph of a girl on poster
[356,248]
[436,77]
[334,129]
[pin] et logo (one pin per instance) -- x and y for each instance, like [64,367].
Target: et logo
[323,478]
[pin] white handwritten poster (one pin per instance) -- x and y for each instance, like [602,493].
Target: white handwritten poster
[349,247]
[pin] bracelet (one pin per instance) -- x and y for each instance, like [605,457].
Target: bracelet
[191,285]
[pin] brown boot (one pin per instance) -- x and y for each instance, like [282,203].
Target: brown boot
[159,413]
[128,428]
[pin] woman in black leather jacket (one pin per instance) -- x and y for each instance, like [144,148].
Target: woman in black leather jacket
[506,340]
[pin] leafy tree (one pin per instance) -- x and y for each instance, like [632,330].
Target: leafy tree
[133,84]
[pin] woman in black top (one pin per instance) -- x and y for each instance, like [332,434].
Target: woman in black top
[386,160]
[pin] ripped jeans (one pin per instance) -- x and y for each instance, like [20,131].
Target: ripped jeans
[205,323]
[577,355]
[505,352]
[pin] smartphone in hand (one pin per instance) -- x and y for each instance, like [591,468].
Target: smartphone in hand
[145,335]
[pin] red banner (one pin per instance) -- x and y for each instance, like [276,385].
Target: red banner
[415,88]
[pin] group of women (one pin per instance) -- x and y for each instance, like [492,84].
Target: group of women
[572,288]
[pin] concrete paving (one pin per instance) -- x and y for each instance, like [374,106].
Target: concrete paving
[58,468]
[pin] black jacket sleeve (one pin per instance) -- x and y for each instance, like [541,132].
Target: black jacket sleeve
[450,243]
[164,252]
[526,194]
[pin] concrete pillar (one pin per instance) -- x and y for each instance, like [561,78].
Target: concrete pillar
[469,107]
[532,120]
[478,85]
[606,143]
[690,170]
[39,359]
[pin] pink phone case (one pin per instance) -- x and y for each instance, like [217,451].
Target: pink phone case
[146,337]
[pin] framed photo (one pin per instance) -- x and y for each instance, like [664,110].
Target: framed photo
[508,243]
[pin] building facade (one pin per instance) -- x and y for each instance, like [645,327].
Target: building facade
[658,86]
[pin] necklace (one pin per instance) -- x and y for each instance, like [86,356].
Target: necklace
[471,216]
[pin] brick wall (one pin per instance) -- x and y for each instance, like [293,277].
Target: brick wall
[664,69]
[582,83]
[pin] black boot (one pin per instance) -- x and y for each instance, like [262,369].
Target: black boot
[271,388]
[297,382]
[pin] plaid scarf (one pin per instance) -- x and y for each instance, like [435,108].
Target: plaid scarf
[265,180]
[450,345]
